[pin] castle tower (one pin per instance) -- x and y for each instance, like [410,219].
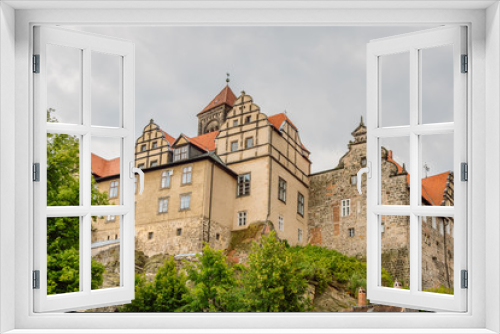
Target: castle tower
[214,115]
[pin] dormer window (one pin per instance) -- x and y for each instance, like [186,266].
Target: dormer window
[181,153]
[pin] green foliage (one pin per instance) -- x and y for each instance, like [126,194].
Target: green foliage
[275,281]
[165,294]
[214,282]
[63,233]
[441,289]
[323,265]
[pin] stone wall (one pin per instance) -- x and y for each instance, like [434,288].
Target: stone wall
[330,226]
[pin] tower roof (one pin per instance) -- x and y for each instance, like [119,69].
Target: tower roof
[226,96]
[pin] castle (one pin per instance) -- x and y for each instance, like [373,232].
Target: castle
[337,214]
[245,167]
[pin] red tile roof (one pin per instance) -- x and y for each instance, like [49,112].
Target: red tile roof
[102,167]
[168,137]
[278,119]
[433,187]
[226,96]
[206,141]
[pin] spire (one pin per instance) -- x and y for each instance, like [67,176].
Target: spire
[227,78]
[359,133]
[361,122]
[226,96]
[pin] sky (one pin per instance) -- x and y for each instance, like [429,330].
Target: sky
[316,74]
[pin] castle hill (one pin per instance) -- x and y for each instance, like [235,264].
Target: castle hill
[243,185]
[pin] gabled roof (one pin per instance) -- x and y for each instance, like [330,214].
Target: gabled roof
[168,137]
[278,119]
[226,96]
[206,142]
[433,187]
[101,167]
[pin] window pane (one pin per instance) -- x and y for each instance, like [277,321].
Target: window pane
[395,251]
[437,254]
[437,84]
[437,170]
[394,166]
[105,252]
[63,170]
[64,84]
[395,89]
[106,170]
[106,89]
[63,255]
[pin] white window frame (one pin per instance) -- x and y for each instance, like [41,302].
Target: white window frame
[181,153]
[185,202]
[300,235]
[242,218]
[166,178]
[163,205]
[281,223]
[113,189]
[187,175]
[484,121]
[345,208]
[412,43]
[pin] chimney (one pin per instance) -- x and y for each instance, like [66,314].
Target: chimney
[389,154]
[361,296]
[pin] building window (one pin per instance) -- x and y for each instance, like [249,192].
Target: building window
[178,232]
[363,162]
[150,235]
[217,236]
[140,166]
[244,184]
[281,223]
[108,237]
[242,218]
[154,163]
[299,235]
[111,218]
[113,189]
[163,205]
[300,204]
[351,232]
[346,207]
[185,201]
[186,175]
[165,178]
[249,142]
[235,122]
[354,180]
[181,153]
[116,236]
[155,144]
[143,148]
[234,146]
[441,228]
[248,119]
[282,190]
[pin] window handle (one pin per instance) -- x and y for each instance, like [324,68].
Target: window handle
[135,170]
[368,171]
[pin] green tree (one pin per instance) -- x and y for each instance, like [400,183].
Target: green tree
[275,281]
[165,294]
[214,284]
[63,233]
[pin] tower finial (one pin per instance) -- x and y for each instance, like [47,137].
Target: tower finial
[361,122]
[227,78]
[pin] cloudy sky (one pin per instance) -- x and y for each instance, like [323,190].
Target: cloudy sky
[316,74]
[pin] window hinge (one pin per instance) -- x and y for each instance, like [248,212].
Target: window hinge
[36,279]
[465,279]
[465,64]
[464,168]
[36,172]
[36,63]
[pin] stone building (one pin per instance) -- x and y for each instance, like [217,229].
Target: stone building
[337,214]
[244,167]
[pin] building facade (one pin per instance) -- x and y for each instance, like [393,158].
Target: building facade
[337,215]
[243,167]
